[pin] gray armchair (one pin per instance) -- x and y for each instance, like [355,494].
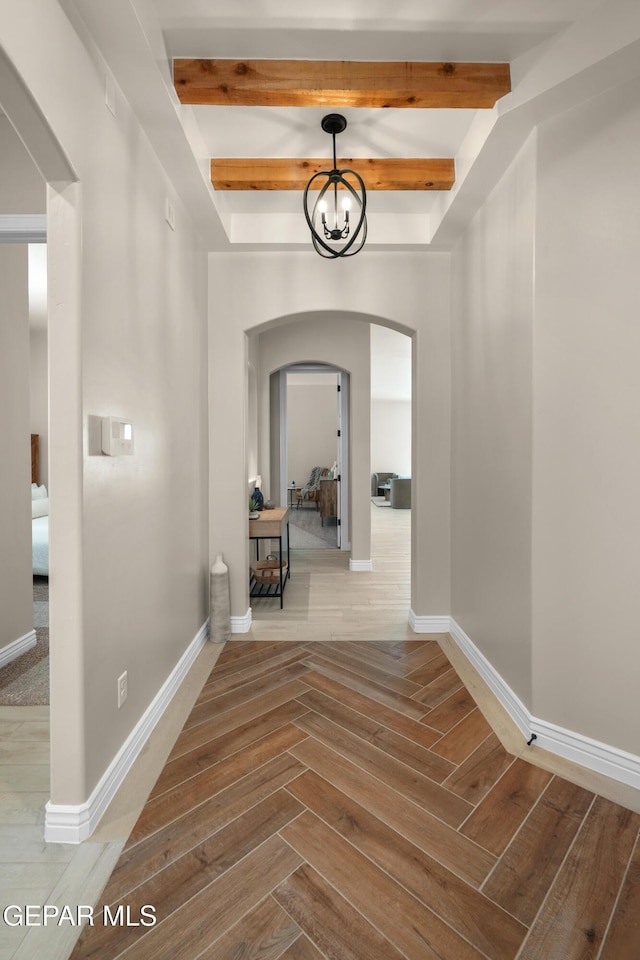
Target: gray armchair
[401,493]
[377,479]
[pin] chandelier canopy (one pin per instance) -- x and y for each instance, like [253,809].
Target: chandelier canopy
[338,220]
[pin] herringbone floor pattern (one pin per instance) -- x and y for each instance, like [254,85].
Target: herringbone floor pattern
[349,801]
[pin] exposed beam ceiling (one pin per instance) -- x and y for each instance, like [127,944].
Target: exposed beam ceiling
[293,174]
[320,83]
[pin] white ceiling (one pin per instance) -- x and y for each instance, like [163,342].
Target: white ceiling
[547,43]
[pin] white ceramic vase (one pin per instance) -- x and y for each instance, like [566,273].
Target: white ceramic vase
[220,623]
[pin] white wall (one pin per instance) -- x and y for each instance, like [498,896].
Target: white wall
[127,337]
[546,471]
[492,317]
[391,436]
[390,401]
[586,413]
[311,424]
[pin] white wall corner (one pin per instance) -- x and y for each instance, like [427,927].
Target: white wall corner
[591,754]
[360,566]
[17,647]
[73,823]
[242,624]
[428,624]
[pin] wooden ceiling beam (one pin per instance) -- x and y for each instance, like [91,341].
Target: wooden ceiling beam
[294,174]
[342,83]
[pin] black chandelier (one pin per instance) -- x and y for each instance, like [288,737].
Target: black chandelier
[334,232]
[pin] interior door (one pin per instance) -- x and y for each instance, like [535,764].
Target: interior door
[342,460]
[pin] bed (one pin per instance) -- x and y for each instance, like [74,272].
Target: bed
[39,515]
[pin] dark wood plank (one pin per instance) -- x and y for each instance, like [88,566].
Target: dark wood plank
[398,649]
[375,657]
[217,685]
[163,847]
[336,655]
[430,670]
[214,706]
[406,726]
[212,751]
[421,935]
[419,789]
[329,921]
[414,659]
[623,938]
[261,935]
[482,923]
[501,813]
[475,777]
[440,688]
[183,798]
[243,714]
[524,874]
[572,922]
[367,688]
[190,874]
[302,949]
[445,844]
[418,758]
[202,919]
[464,738]
[452,710]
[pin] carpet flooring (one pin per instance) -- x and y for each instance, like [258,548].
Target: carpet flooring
[25,681]
[307,532]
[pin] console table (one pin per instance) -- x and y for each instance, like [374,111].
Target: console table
[328,498]
[271,525]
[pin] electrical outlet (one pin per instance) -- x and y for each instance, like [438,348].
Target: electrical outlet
[122,689]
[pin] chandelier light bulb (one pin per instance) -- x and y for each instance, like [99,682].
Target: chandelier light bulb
[340,239]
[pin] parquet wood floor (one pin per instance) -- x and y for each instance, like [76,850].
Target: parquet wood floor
[348,801]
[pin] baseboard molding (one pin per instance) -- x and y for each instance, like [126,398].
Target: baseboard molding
[360,566]
[17,647]
[428,624]
[600,757]
[242,624]
[73,823]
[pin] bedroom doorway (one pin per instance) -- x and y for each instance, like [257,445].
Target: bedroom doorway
[40,200]
[24,624]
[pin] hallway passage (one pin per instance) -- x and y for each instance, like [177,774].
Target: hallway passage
[347,799]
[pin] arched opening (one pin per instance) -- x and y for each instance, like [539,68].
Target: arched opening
[339,340]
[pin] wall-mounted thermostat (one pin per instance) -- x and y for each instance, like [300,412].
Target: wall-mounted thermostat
[117,436]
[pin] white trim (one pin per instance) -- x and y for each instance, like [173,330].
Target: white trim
[242,624]
[23,228]
[73,823]
[17,647]
[428,624]
[592,754]
[360,566]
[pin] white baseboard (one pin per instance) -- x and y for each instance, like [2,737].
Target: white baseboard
[73,823]
[17,647]
[360,566]
[242,624]
[610,761]
[428,624]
